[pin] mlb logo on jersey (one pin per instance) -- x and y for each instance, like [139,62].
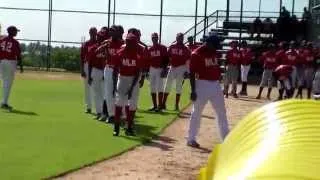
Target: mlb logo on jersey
[155,53]
[210,62]
[129,62]
[178,52]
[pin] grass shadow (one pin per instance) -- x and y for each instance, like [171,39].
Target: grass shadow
[23,113]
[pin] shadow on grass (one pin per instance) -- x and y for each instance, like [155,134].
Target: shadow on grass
[187,115]
[23,113]
[164,113]
[251,99]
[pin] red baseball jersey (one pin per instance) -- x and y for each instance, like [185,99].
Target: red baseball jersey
[291,58]
[9,49]
[204,63]
[193,47]
[246,56]
[130,61]
[281,55]
[283,71]
[233,57]
[157,54]
[269,60]
[96,58]
[307,57]
[85,49]
[112,48]
[179,55]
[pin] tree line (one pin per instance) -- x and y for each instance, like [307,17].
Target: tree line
[35,55]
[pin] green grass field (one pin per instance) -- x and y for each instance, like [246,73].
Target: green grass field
[48,133]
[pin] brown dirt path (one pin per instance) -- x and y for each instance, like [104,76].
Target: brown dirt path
[168,157]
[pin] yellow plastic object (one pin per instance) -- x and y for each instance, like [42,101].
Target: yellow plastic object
[280,141]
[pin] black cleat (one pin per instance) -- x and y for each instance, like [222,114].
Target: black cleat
[154,109]
[177,108]
[116,129]
[6,107]
[88,111]
[258,97]
[98,117]
[130,132]
[110,120]
[193,144]
[103,118]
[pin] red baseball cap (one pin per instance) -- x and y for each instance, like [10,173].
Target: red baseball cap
[12,29]
[154,35]
[131,36]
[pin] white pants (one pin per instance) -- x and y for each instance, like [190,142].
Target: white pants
[284,84]
[156,81]
[87,89]
[108,90]
[208,91]
[316,83]
[244,72]
[294,77]
[97,87]
[7,73]
[123,86]
[175,74]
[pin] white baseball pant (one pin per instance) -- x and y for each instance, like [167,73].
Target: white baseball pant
[108,90]
[175,74]
[244,72]
[7,72]
[267,78]
[97,87]
[300,76]
[123,86]
[156,81]
[208,91]
[309,76]
[316,83]
[284,84]
[87,89]
[294,78]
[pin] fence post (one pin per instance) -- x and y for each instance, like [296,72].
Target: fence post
[195,22]
[205,23]
[109,8]
[241,20]
[49,36]
[114,12]
[161,14]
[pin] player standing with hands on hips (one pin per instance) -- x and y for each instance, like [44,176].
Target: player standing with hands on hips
[10,57]
[205,74]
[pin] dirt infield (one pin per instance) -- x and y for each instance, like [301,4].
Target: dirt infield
[168,157]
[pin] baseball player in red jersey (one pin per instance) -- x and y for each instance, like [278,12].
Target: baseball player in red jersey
[247,57]
[96,64]
[308,57]
[291,58]
[316,81]
[10,57]
[191,44]
[206,87]
[111,46]
[84,67]
[130,63]
[281,53]
[301,68]
[158,60]
[179,54]
[269,61]
[282,73]
[232,70]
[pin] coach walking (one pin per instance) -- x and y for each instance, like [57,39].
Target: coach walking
[10,56]
[204,65]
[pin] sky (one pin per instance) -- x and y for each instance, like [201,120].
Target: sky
[74,26]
